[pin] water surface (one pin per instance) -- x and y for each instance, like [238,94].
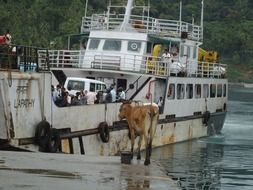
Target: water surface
[218,162]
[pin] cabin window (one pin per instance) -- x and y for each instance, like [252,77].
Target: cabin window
[197,90]
[122,83]
[224,90]
[219,90]
[94,44]
[98,87]
[194,52]
[112,45]
[75,85]
[212,90]
[171,92]
[205,91]
[189,91]
[149,47]
[188,51]
[134,46]
[92,87]
[180,91]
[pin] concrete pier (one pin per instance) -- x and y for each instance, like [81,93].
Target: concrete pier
[26,170]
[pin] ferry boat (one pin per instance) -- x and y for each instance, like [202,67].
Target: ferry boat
[125,50]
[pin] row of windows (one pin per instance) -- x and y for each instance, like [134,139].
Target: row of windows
[115,45]
[189,91]
[135,46]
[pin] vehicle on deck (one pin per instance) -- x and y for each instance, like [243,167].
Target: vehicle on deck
[75,84]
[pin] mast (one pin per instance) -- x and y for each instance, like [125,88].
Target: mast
[202,18]
[127,14]
[180,17]
[86,6]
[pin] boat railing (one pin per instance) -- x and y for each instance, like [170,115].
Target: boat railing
[163,27]
[23,58]
[130,63]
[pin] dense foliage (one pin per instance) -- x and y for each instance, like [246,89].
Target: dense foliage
[228,24]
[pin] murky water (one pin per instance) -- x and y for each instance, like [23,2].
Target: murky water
[219,162]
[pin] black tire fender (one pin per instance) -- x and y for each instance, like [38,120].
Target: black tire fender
[42,135]
[54,141]
[206,117]
[104,132]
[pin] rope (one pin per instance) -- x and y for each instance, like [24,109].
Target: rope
[9,69]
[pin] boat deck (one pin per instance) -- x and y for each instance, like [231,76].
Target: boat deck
[26,170]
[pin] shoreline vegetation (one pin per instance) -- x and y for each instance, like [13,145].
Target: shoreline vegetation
[241,84]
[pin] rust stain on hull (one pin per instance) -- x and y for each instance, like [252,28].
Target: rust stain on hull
[168,140]
[65,146]
[190,132]
[11,129]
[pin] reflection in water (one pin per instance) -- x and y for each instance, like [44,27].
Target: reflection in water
[218,162]
[135,178]
[193,165]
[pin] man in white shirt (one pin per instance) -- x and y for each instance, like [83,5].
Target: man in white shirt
[113,93]
[122,94]
[91,97]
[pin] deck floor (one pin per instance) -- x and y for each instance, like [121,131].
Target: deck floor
[25,170]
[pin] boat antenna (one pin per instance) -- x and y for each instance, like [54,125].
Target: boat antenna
[202,18]
[148,14]
[127,14]
[180,17]
[86,6]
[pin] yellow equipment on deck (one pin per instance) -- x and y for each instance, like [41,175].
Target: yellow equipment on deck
[207,56]
[152,61]
[207,59]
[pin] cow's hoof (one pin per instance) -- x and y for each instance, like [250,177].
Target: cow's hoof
[147,162]
[138,157]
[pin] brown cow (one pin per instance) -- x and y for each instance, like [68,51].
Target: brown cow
[142,120]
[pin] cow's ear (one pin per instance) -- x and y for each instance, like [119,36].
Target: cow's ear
[126,102]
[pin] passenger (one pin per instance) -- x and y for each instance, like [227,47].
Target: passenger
[83,97]
[68,98]
[160,103]
[6,38]
[166,55]
[75,101]
[52,90]
[113,93]
[64,101]
[57,93]
[91,97]
[122,94]
[108,96]
[99,97]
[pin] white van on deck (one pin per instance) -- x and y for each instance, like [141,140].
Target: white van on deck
[76,84]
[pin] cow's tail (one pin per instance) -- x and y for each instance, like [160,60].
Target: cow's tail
[154,116]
